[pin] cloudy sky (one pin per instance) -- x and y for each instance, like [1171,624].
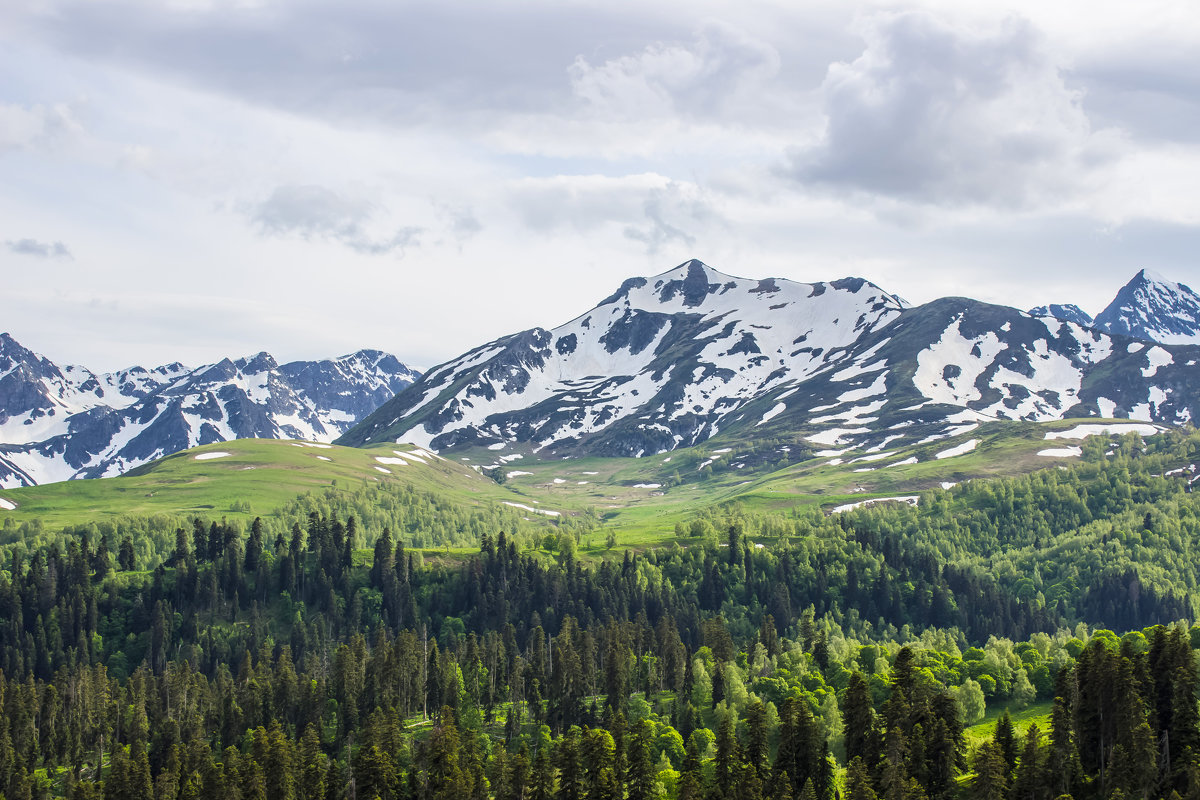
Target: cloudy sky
[190,179]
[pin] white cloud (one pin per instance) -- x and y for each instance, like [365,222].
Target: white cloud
[945,113]
[36,126]
[706,77]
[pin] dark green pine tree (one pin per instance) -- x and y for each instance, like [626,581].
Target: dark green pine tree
[254,546]
[858,781]
[517,779]
[1062,762]
[569,756]
[758,741]
[125,556]
[991,777]
[433,678]
[446,779]
[728,759]
[893,778]
[858,718]
[718,684]
[1006,739]
[616,679]
[599,764]
[1031,779]
[541,778]
[312,765]
[691,777]
[639,770]
[374,775]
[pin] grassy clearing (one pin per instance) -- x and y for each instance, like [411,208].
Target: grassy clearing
[983,731]
[256,477]
[638,499]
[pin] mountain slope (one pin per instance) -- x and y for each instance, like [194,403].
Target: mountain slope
[653,367]
[1153,308]
[677,359]
[58,423]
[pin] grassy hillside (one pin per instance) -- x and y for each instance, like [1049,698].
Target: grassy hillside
[255,478]
[638,500]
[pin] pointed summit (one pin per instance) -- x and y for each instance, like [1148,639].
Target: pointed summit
[1153,308]
[665,362]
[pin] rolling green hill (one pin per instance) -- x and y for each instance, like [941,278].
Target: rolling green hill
[638,501]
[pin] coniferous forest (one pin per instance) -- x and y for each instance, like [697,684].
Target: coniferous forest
[754,654]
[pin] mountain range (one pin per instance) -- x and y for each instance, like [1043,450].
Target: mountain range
[691,354]
[665,362]
[58,423]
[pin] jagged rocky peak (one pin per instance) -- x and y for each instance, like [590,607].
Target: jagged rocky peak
[259,362]
[695,286]
[1153,308]
[1068,312]
[57,424]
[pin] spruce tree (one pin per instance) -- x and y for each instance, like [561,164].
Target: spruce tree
[1006,739]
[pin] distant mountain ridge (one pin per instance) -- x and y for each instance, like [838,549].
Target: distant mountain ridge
[58,423]
[1069,312]
[676,359]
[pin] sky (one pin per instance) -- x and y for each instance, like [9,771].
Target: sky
[185,180]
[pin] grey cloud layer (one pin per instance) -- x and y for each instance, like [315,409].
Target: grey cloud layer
[318,212]
[949,147]
[32,247]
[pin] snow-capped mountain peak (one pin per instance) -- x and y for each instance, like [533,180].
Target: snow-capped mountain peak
[1153,308]
[69,422]
[686,348]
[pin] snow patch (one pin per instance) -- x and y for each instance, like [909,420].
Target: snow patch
[1061,452]
[833,436]
[647,486]
[1156,357]
[212,455]
[911,500]
[400,462]
[953,349]
[7,505]
[545,511]
[516,473]
[1113,429]
[958,450]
